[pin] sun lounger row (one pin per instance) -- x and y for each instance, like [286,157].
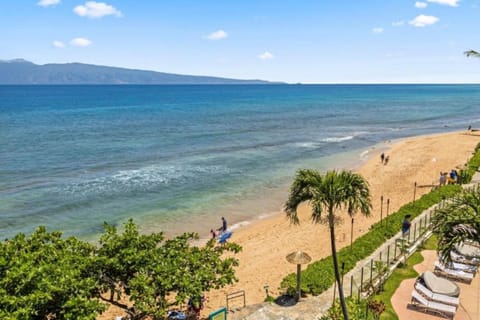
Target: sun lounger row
[457,257]
[459,275]
[425,305]
[460,267]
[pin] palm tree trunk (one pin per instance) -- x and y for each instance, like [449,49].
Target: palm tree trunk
[331,225]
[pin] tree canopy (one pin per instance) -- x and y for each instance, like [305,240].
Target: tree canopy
[46,276]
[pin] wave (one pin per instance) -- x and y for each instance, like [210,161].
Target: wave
[308,145]
[337,139]
[364,154]
[143,179]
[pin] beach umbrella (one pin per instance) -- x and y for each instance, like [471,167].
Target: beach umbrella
[298,258]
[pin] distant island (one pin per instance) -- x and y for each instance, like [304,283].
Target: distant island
[24,72]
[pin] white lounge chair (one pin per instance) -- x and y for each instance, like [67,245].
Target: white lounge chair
[424,305]
[464,267]
[442,270]
[440,285]
[457,257]
[442,298]
[468,250]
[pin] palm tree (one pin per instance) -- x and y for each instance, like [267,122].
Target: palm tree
[329,192]
[472,53]
[458,222]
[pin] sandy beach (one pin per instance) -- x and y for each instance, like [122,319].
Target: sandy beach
[266,242]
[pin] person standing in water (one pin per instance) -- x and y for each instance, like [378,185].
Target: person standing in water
[223,228]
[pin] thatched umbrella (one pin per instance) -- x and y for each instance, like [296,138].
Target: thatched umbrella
[298,258]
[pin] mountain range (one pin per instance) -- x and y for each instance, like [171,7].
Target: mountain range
[19,71]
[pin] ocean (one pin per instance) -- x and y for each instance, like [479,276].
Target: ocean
[178,158]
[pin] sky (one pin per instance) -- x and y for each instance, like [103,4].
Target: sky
[306,41]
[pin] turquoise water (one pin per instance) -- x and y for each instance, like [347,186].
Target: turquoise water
[177,158]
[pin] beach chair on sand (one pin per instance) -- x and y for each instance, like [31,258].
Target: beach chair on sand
[421,303]
[458,275]
[436,297]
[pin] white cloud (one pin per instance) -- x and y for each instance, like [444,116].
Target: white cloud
[398,23]
[377,30]
[423,21]
[92,9]
[217,35]
[451,3]
[47,3]
[80,42]
[58,44]
[266,56]
[420,5]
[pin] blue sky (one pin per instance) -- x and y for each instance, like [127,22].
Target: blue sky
[318,41]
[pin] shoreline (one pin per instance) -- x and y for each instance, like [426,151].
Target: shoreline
[267,240]
[372,152]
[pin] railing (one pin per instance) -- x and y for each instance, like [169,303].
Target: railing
[370,277]
[234,296]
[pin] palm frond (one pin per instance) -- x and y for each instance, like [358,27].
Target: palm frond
[472,53]
[457,222]
[303,189]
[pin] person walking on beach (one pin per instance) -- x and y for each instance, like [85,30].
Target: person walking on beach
[223,228]
[386,160]
[382,157]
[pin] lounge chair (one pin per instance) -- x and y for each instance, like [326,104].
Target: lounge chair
[459,275]
[421,303]
[457,257]
[442,298]
[463,267]
[440,285]
[468,251]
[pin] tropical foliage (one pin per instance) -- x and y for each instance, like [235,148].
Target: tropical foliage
[48,277]
[329,192]
[151,270]
[45,275]
[319,276]
[458,221]
[358,309]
